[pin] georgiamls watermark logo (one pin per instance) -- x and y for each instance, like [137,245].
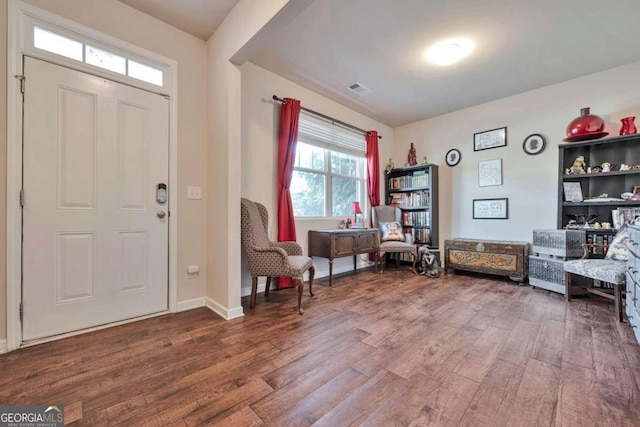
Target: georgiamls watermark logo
[32,416]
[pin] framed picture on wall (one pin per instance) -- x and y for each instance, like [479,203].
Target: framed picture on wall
[490,173]
[493,138]
[491,208]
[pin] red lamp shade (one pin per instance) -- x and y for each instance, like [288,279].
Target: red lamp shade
[355,208]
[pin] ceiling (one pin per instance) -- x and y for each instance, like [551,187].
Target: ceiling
[196,17]
[519,45]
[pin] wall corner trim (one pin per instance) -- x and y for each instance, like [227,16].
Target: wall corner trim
[3,346]
[222,311]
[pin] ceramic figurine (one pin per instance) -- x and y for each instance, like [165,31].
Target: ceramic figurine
[596,169]
[578,167]
[606,167]
[589,169]
[624,167]
[411,157]
[389,166]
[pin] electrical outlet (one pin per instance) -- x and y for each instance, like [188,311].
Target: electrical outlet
[194,193]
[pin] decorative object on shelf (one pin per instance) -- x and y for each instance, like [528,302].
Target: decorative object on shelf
[355,210]
[490,139]
[411,157]
[626,195]
[534,144]
[624,167]
[635,193]
[491,208]
[606,225]
[581,220]
[572,191]
[594,169]
[585,127]
[604,197]
[578,167]
[453,157]
[389,166]
[628,126]
[424,160]
[490,173]
[342,224]
[606,167]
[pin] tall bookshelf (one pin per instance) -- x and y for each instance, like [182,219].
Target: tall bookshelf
[414,190]
[616,150]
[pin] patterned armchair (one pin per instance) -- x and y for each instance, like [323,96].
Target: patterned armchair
[271,259]
[381,214]
[611,271]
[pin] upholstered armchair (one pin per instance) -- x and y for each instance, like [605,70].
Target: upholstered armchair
[380,217]
[271,259]
[611,271]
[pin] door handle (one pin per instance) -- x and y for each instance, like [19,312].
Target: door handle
[161,214]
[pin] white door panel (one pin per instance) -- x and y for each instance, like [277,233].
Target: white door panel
[94,249]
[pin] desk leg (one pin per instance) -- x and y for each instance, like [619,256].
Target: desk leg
[330,271]
[354,263]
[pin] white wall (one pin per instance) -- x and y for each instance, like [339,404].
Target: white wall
[260,121]
[529,182]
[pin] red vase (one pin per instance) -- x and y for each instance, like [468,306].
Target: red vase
[628,126]
[585,125]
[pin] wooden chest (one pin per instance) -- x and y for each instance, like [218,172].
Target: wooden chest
[502,258]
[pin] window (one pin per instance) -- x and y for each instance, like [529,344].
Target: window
[327,176]
[64,46]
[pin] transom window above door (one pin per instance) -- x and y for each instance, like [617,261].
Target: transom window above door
[83,52]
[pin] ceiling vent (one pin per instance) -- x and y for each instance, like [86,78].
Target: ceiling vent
[359,89]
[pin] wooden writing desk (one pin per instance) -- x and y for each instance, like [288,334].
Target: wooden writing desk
[338,243]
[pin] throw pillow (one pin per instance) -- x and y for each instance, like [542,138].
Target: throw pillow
[391,231]
[618,247]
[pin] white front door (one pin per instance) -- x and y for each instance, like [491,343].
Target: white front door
[95,241]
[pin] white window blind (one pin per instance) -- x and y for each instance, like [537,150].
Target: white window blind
[326,135]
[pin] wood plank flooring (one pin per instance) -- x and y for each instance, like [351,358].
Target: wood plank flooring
[395,349]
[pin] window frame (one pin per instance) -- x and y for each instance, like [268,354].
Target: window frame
[328,202]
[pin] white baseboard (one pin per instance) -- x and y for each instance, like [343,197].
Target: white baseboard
[222,311]
[190,304]
[3,346]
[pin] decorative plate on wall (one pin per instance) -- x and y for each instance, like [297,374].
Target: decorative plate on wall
[534,144]
[453,157]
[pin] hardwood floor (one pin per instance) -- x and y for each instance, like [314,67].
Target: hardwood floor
[395,349]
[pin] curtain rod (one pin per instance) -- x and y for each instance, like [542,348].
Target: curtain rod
[331,119]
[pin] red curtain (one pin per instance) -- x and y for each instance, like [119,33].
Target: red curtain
[287,139]
[373,174]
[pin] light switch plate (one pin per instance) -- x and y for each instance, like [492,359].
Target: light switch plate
[194,193]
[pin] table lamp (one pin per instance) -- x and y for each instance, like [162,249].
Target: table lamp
[355,210]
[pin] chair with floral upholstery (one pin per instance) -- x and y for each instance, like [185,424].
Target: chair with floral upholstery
[392,240]
[611,271]
[271,259]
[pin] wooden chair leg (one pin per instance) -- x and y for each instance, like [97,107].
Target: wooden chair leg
[413,267]
[267,286]
[299,281]
[397,260]
[254,291]
[312,273]
[567,285]
[381,256]
[617,290]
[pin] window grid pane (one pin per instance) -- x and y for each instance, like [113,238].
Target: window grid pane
[145,73]
[57,44]
[104,59]
[308,192]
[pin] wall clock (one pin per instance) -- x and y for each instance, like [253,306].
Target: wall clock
[453,157]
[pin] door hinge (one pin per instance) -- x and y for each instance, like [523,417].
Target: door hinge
[22,198]
[21,312]
[22,79]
